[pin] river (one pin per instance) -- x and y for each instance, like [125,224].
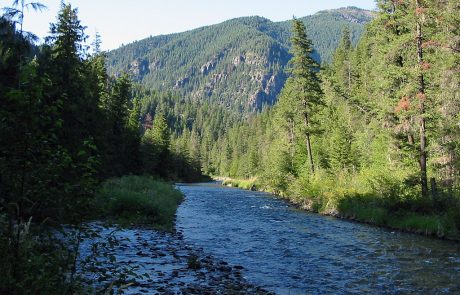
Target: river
[289,251]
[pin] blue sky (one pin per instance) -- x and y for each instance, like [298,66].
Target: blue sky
[123,21]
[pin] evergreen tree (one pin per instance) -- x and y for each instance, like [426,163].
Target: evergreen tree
[16,13]
[341,64]
[77,107]
[155,147]
[306,82]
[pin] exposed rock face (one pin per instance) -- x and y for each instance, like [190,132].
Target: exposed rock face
[155,65]
[351,18]
[207,67]
[252,58]
[270,86]
[181,82]
[352,14]
[257,86]
[239,59]
[239,63]
[213,82]
[211,65]
[139,67]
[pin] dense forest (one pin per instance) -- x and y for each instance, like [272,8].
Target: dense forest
[363,124]
[66,126]
[372,135]
[239,64]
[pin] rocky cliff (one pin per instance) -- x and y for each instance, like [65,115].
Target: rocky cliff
[239,64]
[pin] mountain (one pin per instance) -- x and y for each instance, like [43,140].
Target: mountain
[239,64]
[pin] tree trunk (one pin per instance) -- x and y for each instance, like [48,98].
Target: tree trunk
[421,95]
[310,156]
[410,139]
[307,141]
[349,75]
[291,136]
[291,141]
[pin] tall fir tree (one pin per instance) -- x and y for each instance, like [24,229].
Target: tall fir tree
[308,94]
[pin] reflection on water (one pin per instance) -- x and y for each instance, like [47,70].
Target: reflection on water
[293,252]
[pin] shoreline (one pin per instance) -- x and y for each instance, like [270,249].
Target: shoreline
[172,266]
[146,253]
[304,206]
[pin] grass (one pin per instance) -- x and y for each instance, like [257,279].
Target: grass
[367,209]
[387,200]
[371,198]
[436,225]
[139,200]
[247,184]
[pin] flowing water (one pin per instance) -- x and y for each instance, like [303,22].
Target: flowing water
[289,251]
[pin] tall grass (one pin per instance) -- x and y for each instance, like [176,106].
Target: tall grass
[391,199]
[247,184]
[139,200]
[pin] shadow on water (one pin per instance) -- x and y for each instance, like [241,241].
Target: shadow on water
[292,252]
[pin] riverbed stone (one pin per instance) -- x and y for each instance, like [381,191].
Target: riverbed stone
[164,258]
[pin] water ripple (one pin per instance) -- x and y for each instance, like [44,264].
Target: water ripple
[295,252]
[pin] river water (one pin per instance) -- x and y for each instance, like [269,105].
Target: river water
[289,251]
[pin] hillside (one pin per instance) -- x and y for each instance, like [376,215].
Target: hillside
[239,64]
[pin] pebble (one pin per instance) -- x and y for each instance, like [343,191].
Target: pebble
[165,260]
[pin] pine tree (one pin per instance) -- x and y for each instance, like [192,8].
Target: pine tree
[160,132]
[445,68]
[341,64]
[69,92]
[16,13]
[396,82]
[77,113]
[156,147]
[305,80]
[421,95]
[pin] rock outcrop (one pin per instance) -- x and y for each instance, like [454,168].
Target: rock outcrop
[181,82]
[139,67]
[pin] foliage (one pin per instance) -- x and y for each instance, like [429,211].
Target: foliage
[66,125]
[238,64]
[368,142]
[383,125]
[37,265]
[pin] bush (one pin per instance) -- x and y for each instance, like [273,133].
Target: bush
[139,200]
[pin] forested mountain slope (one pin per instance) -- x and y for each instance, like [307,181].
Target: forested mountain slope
[238,64]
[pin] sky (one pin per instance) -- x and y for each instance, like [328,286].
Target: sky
[124,21]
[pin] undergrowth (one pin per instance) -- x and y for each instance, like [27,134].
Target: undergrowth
[139,200]
[386,199]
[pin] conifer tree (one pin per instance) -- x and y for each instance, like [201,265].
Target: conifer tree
[421,95]
[17,11]
[155,146]
[308,94]
[342,63]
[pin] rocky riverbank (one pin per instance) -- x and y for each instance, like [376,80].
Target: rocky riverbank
[162,263]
